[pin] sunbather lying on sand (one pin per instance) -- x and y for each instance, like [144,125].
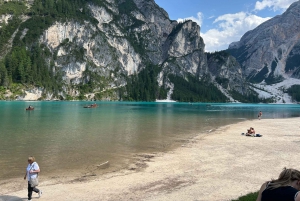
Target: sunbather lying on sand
[250,132]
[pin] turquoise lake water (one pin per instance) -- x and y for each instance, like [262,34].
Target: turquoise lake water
[66,138]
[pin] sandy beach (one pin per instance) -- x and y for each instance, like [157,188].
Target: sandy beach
[218,166]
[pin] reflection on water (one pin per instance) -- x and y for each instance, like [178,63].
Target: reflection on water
[67,135]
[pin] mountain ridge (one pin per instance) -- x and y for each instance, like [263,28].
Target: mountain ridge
[270,54]
[116,50]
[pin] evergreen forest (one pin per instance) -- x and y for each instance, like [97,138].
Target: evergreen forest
[294,92]
[25,64]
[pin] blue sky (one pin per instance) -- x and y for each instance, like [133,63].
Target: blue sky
[224,21]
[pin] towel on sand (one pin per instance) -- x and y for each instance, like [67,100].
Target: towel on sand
[253,135]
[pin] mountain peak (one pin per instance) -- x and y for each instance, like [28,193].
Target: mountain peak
[267,52]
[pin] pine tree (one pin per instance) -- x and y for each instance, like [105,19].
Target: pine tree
[4,81]
[20,73]
[28,71]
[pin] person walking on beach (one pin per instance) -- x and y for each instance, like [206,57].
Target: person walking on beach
[32,171]
[259,115]
[286,187]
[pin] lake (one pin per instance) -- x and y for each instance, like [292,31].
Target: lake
[68,139]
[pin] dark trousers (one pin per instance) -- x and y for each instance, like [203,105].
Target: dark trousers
[30,189]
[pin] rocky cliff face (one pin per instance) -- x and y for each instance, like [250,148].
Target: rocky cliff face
[227,72]
[270,52]
[270,55]
[123,42]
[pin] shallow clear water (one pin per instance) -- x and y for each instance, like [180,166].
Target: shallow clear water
[65,137]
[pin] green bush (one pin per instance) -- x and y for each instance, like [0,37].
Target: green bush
[248,197]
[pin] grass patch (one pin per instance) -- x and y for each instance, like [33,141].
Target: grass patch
[248,197]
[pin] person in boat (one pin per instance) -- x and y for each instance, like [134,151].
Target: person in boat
[30,107]
[91,106]
[286,187]
[250,132]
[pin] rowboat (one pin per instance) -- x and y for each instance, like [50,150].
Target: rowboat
[91,106]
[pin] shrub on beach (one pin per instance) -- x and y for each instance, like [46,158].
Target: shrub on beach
[248,197]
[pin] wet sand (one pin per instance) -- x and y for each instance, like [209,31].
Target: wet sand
[218,166]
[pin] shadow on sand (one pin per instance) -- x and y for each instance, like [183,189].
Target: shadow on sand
[10,198]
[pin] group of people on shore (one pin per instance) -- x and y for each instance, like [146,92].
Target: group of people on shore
[251,131]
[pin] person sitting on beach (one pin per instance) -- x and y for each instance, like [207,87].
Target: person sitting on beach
[286,187]
[250,132]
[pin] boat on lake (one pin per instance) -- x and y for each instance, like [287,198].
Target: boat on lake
[30,108]
[91,106]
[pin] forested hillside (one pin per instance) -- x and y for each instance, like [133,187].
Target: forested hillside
[27,62]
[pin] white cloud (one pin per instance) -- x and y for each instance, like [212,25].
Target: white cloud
[273,4]
[229,28]
[198,19]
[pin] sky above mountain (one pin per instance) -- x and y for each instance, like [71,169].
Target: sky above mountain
[224,21]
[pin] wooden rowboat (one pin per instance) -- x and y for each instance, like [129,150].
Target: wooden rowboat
[91,106]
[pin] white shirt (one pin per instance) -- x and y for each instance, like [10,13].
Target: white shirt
[33,166]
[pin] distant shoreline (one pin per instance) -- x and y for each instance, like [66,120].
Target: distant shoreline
[156,101]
